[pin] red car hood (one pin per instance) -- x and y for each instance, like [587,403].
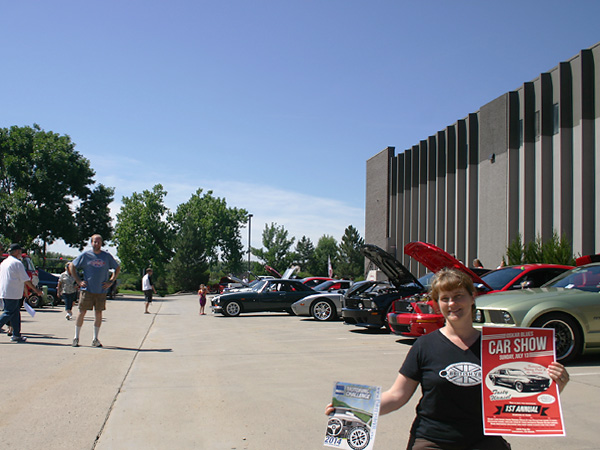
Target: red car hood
[272,271]
[434,258]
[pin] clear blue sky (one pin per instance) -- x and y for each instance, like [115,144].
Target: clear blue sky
[273,105]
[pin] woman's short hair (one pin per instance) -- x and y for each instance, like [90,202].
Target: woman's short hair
[449,279]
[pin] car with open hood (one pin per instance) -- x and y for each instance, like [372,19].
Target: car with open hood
[570,304]
[418,314]
[272,295]
[369,308]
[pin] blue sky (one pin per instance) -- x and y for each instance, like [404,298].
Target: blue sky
[273,105]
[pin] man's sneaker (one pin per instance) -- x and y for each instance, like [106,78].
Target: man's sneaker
[18,338]
[75,342]
[68,317]
[96,343]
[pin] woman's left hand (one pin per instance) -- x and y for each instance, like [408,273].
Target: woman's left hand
[559,375]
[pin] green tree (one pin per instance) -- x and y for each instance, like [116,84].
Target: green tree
[46,190]
[207,232]
[143,232]
[350,261]
[327,248]
[556,250]
[305,255]
[277,245]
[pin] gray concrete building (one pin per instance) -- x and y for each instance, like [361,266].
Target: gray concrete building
[525,163]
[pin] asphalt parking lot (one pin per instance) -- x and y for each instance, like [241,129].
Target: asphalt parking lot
[174,379]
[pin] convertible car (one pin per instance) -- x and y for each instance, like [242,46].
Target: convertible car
[569,303]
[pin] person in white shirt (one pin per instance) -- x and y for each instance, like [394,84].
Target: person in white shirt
[148,288]
[13,278]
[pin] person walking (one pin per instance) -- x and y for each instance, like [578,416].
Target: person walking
[66,289]
[148,288]
[202,292]
[96,265]
[13,278]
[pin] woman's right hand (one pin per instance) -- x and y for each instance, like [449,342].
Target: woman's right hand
[329,409]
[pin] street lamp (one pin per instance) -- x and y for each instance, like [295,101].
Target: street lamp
[249,237]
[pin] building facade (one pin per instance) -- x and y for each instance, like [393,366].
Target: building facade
[524,163]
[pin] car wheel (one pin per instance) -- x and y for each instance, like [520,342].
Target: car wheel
[232,309]
[51,300]
[567,335]
[358,438]
[519,386]
[334,427]
[34,301]
[323,310]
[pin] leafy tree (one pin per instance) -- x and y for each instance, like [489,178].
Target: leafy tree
[207,232]
[326,248]
[276,252]
[350,262]
[556,250]
[143,233]
[46,190]
[305,255]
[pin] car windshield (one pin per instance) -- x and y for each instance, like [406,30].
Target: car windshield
[426,279]
[586,278]
[28,264]
[257,287]
[497,279]
[515,372]
[323,286]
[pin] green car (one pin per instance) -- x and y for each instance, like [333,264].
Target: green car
[570,303]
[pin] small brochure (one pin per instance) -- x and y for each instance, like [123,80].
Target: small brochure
[353,424]
[519,398]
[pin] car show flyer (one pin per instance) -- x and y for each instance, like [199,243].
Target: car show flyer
[519,397]
[352,425]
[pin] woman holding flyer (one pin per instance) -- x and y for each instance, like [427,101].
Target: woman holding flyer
[447,364]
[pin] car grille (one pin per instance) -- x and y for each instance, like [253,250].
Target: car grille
[403,307]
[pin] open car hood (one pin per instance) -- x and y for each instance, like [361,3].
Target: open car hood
[272,271]
[435,259]
[390,266]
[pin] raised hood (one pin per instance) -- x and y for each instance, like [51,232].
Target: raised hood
[272,271]
[435,259]
[390,266]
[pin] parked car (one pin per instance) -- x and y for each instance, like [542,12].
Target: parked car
[266,295]
[522,276]
[369,307]
[332,285]
[327,305]
[311,282]
[418,314]
[569,303]
[519,380]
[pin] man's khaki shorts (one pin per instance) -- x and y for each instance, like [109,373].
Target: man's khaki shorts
[89,301]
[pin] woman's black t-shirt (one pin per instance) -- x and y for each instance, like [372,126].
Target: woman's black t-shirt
[450,409]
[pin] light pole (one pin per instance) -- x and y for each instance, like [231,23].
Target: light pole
[249,237]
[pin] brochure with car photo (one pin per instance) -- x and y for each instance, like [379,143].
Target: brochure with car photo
[354,422]
[519,398]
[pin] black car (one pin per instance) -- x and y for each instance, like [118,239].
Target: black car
[519,380]
[369,304]
[266,295]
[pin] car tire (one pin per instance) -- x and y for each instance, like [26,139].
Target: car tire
[358,438]
[232,309]
[519,386]
[323,310]
[567,335]
[51,300]
[34,301]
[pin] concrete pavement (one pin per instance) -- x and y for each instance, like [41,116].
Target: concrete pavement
[174,379]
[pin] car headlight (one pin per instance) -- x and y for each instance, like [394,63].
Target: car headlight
[479,317]
[373,305]
[360,305]
[507,317]
[499,316]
